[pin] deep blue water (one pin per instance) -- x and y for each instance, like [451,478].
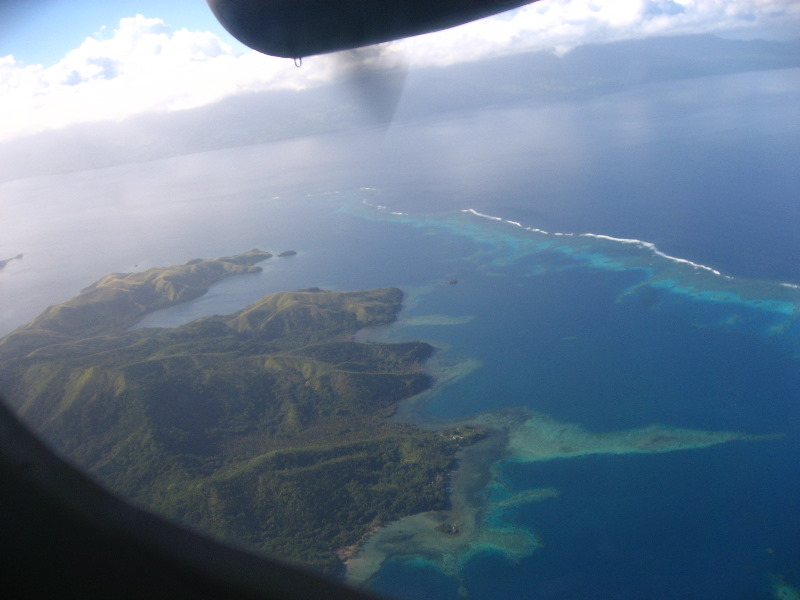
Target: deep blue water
[591,345]
[588,345]
[705,169]
[662,526]
[700,523]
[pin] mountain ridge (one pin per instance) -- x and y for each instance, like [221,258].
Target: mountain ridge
[266,428]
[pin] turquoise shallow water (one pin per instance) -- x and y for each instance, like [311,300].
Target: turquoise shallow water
[614,336]
[606,334]
[611,336]
[603,334]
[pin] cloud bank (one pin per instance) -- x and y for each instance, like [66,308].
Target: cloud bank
[143,65]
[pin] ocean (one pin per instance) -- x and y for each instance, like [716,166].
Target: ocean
[613,280]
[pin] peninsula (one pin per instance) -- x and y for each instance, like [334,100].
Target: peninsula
[266,428]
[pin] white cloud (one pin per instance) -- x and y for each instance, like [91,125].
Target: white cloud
[143,65]
[560,25]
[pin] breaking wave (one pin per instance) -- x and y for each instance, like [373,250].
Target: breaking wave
[472,211]
[639,243]
[774,297]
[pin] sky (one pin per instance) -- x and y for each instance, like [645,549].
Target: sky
[74,61]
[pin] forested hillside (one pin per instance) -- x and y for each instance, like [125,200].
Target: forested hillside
[266,427]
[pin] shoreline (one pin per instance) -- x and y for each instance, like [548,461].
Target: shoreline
[446,538]
[476,521]
[481,513]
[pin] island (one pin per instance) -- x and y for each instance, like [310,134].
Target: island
[117,301]
[286,253]
[267,428]
[270,427]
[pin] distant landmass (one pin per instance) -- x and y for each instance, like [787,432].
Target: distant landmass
[266,427]
[117,301]
[501,81]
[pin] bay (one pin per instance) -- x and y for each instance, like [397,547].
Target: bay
[605,331]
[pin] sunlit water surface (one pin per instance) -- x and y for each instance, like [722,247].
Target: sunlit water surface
[605,332]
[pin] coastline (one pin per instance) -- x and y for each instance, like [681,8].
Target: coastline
[482,507]
[446,538]
[480,500]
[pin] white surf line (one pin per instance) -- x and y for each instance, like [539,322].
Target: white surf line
[654,249]
[378,206]
[481,215]
[472,211]
[381,206]
[640,243]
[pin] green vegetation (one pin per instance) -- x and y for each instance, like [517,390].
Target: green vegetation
[266,427]
[117,301]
